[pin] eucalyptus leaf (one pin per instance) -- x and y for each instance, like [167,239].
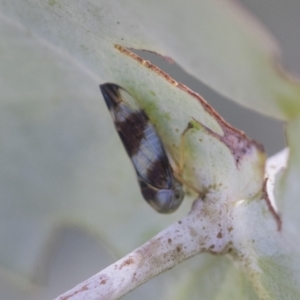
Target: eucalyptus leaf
[61,160]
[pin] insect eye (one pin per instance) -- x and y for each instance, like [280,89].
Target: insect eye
[178,194]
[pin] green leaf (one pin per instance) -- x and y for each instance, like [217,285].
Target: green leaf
[288,188]
[209,278]
[222,45]
[61,160]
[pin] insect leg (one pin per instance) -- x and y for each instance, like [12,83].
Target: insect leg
[182,147]
[179,172]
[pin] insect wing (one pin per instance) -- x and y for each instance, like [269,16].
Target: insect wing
[144,147]
[139,137]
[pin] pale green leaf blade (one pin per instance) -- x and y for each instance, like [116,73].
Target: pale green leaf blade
[287,190]
[214,278]
[217,42]
[58,134]
[223,46]
[62,162]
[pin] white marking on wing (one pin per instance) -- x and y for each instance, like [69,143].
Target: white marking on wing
[149,152]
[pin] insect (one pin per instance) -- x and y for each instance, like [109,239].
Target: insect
[156,179]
